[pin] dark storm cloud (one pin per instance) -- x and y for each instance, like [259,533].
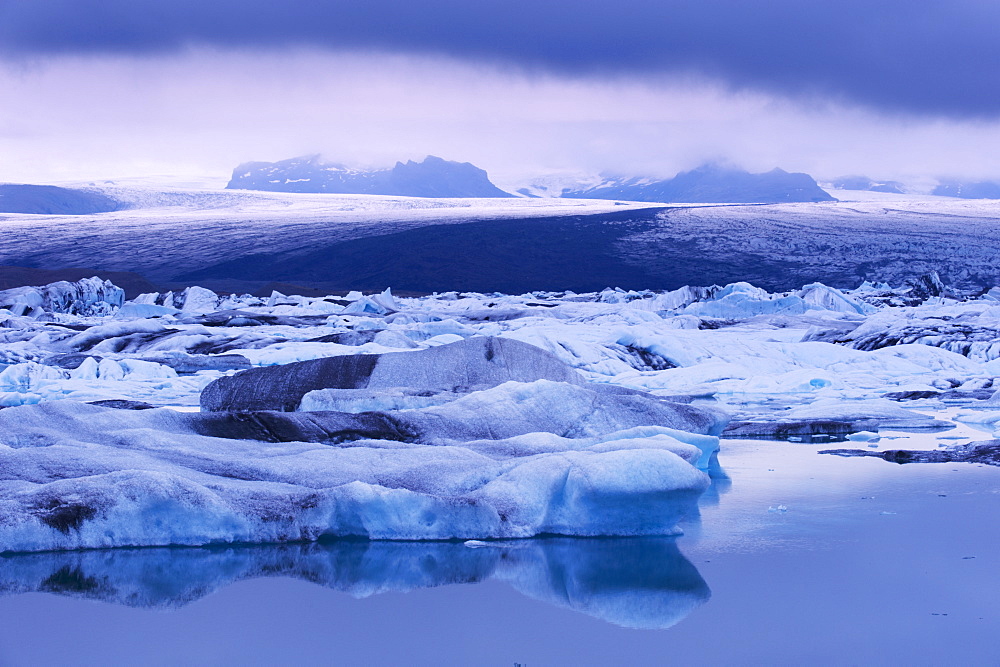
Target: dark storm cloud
[897,55]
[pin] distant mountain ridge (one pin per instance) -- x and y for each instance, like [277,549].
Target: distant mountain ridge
[978,190]
[866,184]
[710,184]
[433,177]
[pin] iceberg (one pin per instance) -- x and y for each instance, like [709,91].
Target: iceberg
[90,296]
[837,419]
[467,363]
[82,476]
[742,300]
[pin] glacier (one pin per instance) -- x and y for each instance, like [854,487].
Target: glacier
[229,240]
[199,418]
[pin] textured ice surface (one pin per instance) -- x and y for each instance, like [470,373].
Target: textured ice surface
[780,246]
[452,415]
[78,476]
[90,296]
[459,366]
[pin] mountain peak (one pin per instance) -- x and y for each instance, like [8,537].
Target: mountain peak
[711,183]
[432,177]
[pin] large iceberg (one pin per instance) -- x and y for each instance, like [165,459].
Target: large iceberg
[82,476]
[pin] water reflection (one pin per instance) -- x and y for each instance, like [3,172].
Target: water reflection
[633,582]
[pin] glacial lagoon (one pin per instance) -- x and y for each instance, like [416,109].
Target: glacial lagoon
[789,557]
[795,557]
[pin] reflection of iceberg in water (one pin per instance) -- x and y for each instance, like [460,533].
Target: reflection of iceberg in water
[721,485]
[636,582]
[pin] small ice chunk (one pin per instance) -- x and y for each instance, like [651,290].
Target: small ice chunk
[971,416]
[475,544]
[133,310]
[199,300]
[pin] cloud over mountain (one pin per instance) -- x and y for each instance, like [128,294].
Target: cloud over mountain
[927,58]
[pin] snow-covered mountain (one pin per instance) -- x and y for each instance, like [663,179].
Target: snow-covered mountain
[49,199]
[865,184]
[555,184]
[975,190]
[709,184]
[433,177]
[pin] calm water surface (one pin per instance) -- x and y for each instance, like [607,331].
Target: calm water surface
[795,558]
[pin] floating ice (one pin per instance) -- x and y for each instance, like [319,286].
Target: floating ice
[457,415]
[978,416]
[133,310]
[199,300]
[379,304]
[90,296]
[82,476]
[459,365]
[742,300]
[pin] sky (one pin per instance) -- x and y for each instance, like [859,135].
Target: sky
[100,89]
